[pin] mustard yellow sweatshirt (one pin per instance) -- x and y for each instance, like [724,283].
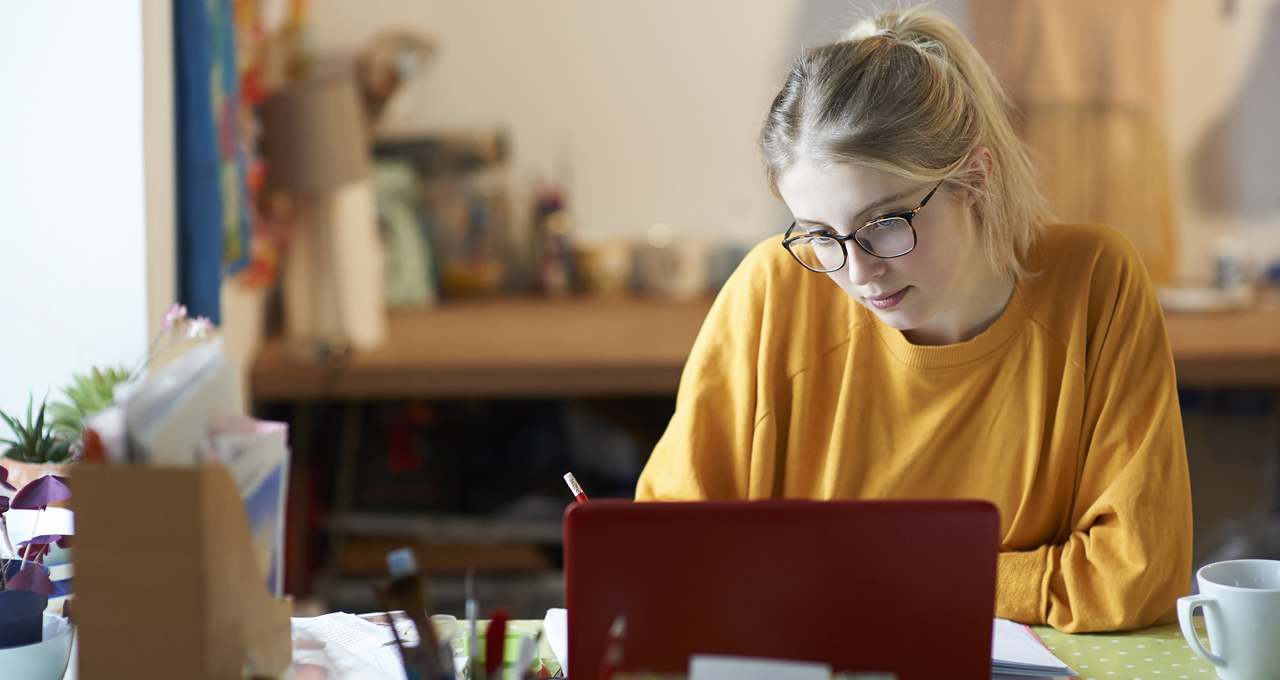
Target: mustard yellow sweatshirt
[1064,414]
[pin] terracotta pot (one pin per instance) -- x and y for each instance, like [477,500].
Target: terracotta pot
[21,473]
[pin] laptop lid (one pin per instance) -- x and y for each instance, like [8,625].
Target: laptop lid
[882,585]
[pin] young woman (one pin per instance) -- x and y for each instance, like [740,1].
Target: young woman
[921,333]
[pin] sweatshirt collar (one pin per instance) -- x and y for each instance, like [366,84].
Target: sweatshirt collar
[996,336]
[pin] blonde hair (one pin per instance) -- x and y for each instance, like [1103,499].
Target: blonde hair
[905,92]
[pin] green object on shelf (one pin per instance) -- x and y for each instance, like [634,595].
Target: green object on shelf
[1146,654]
[511,648]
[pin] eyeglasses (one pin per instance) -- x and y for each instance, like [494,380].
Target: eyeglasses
[885,237]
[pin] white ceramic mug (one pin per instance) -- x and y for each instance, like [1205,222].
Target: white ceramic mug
[1241,601]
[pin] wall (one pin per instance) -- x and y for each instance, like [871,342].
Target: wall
[74,260]
[72,233]
[650,110]
[654,107]
[1224,101]
[159,160]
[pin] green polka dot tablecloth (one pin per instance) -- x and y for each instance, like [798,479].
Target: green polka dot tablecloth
[1150,654]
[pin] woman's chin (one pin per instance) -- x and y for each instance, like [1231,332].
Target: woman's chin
[897,318]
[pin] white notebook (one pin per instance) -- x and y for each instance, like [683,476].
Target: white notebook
[1016,650]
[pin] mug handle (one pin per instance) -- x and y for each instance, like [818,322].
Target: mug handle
[1187,606]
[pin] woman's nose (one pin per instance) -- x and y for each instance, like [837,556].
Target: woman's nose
[861,267]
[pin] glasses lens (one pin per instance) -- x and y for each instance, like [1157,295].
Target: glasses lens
[818,253]
[889,237]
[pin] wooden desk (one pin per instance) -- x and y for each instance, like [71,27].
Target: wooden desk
[503,348]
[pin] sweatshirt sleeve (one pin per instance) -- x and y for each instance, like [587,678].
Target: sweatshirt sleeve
[705,452]
[1128,555]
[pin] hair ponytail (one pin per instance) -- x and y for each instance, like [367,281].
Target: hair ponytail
[905,92]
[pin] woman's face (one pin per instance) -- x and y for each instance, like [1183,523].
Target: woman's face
[939,293]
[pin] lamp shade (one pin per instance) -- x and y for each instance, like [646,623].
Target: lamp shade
[315,135]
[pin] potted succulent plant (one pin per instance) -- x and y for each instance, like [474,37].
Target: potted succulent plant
[88,394]
[33,644]
[36,449]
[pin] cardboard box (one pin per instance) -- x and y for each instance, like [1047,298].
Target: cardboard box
[167,585]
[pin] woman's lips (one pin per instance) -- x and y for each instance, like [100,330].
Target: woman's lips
[888,301]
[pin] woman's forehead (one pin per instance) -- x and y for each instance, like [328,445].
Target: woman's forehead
[822,193]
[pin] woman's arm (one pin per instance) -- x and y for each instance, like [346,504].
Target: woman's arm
[705,451]
[1128,557]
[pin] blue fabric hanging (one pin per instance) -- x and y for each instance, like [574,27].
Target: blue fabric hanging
[214,210]
[200,216]
[236,203]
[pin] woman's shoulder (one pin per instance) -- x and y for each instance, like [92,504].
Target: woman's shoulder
[768,273]
[792,311]
[1073,245]
[770,260]
[1083,257]
[1080,271]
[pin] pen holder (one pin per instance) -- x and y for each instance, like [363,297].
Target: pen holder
[167,585]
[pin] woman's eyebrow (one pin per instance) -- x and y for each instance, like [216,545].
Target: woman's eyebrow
[880,203]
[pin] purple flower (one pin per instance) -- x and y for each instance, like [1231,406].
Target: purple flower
[41,492]
[33,578]
[4,479]
[176,314]
[39,547]
[4,504]
[200,327]
[42,539]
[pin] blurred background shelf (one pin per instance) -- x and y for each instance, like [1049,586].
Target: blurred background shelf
[531,347]
[1227,349]
[452,437]
[455,529]
[509,347]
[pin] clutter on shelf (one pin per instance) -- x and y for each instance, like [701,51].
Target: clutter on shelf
[460,198]
[334,275]
[457,190]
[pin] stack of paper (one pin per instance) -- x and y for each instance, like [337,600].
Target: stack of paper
[1015,650]
[556,626]
[353,648]
[190,412]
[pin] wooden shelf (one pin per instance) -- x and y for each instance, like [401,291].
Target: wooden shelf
[503,348]
[1226,349]
[636,347]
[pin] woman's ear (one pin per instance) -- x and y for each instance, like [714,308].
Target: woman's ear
[977,170]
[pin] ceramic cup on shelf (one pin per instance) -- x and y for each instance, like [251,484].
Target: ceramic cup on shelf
[1241,602]
[675,270]
[605,267]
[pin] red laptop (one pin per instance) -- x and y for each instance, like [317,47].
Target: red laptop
[901,586]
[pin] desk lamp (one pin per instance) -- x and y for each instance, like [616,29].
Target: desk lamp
[317,149]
